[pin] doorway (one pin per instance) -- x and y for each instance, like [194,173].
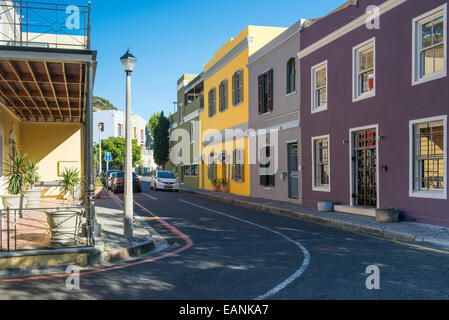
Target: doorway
[293,170]
[365,168]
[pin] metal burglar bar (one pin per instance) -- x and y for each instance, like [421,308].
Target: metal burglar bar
[45,25]
[17,225]
[365,168]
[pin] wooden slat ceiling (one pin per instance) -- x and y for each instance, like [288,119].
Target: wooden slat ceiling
[44,91]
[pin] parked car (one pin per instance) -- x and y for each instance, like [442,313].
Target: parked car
[164,180]
[118,183]
[110,177]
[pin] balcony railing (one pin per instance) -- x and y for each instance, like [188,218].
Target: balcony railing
[44,25]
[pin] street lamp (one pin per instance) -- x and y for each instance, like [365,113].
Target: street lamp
[128,63]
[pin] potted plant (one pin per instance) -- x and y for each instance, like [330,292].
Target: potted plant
[70,182]
[64,223]
[215,185]
[31,177]
[14,182]
[326,206]
[98,187]
[224,186]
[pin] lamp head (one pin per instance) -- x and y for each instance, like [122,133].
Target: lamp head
[128,61]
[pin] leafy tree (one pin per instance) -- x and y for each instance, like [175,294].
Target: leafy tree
[116,146]
[159,127]
[103,104]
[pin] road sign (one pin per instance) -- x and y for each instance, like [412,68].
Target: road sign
[108,157]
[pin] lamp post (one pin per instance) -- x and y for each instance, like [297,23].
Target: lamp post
[128,63]
[100,130]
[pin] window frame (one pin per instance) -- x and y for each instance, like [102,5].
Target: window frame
[430,194]
[314,185]
[357,95]
[270,181]
[417,22]
[237,91]
[238,169]
[212,92]
[289,78]
[266,108]
[223,96]
[316,68]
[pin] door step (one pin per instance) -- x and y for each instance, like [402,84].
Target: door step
[361,211]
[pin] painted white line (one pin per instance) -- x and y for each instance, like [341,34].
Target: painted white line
[294,276]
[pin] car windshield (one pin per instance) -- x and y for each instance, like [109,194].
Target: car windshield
[165,175]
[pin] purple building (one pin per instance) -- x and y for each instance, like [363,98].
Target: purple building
[374,108]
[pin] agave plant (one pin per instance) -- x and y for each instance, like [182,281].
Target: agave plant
[31,174]
[15,173]
[70,181]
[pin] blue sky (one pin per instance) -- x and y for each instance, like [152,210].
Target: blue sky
[173,37]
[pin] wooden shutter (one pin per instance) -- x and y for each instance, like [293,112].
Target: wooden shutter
[241,86]
[261,94]
[233,90]
[270,91]
[225,89]
[233,165]
[241,163]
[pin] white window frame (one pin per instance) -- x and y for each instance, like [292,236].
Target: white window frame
[314,69]
[424,193]
[192,131]
[314,187]
[356,85]
[416,45]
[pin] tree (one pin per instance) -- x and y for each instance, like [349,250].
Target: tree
[103,104]
[159,127]
[116,146]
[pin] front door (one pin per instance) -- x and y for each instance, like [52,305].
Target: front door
[365,168]
[293,173]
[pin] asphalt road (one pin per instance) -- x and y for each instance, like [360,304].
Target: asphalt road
[238,253]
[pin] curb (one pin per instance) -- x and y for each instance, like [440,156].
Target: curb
[343,225]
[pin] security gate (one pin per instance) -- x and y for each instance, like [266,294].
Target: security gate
[365,168]
[293,173]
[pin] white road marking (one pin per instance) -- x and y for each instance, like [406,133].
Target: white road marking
[294,276]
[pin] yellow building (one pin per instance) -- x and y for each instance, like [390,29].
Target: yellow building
[226,107]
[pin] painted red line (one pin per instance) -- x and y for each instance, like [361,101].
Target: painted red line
[189,243]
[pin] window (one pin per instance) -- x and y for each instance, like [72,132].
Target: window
[192,131]
[237,88]
[212,168]
[364,57]
[223,96]
[319,87]
[181,115]
[267,174]
[291,76]
[428,158]
[430,46]
[187,171]
[194,170]
[321,172]
[238,165]
[266,92]
[212,102]
[120,130]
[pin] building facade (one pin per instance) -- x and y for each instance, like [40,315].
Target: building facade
[374,108]
[190,104]
[274,105]
[226,107]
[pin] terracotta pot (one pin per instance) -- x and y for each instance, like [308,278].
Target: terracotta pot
[215,189]
[97,192]
[224,189]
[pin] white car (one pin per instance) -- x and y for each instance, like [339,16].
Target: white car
[164,180]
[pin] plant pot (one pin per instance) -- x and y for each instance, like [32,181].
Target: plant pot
[63,226]
[14,201]
[33,198]
[97,192]
[325,206]
[215,189]
[387,215]
[224,189]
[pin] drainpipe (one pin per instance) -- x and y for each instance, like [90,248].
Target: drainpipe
[89,158]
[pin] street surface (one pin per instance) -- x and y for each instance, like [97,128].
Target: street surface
[226,252]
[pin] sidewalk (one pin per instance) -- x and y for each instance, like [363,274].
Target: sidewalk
[402,231]
[110,247]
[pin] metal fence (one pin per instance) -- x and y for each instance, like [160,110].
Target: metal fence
[44,25]
[42,228]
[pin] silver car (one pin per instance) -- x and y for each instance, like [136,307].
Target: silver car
[164,180]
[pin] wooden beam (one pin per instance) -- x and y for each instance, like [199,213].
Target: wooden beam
[53,89]
[16,73]
[81,93]
[2,78]
[12,106]
[67,90]
[39,87]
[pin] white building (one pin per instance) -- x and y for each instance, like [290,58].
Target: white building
[114,126]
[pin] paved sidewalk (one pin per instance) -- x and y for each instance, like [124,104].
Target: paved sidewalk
[401,231]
